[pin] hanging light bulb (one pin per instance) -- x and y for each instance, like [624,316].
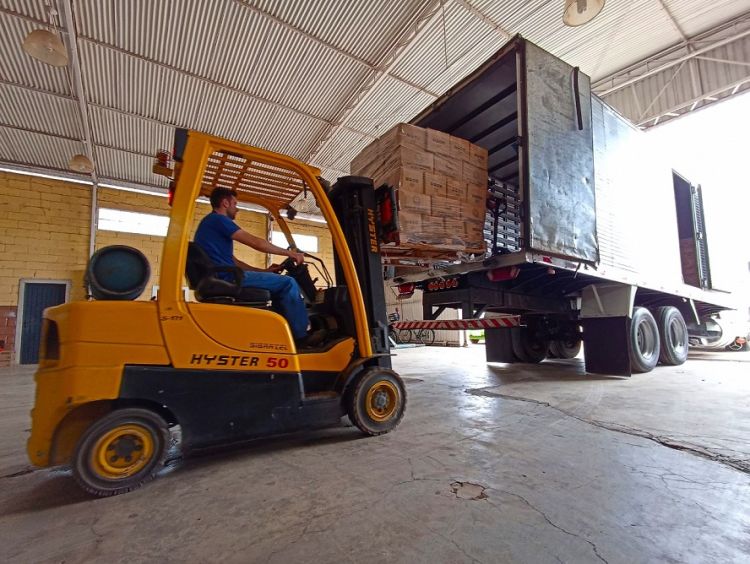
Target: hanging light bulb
[81,163]
[47,47]
[579,12]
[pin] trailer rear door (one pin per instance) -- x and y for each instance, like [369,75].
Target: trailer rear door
[558,177]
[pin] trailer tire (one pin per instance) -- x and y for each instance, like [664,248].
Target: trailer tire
[644,341]
[528,347]
[565,348]
[673,335]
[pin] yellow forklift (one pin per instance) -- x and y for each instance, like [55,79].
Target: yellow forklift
[115,375]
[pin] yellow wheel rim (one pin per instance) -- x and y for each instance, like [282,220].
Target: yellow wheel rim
[122,452]
[381,401]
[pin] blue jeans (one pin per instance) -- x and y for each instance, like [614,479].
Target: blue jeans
[286,297]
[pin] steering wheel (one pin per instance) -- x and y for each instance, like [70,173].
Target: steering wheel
[289,265]
[301,275]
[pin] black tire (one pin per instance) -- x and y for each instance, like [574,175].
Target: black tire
[122,432]
[404,336]
[673,336]
[393,335]
[377,401]
[565,348]
[426,336]
[644,341]
[528,347]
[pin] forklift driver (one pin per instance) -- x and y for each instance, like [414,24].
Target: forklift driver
[216,234]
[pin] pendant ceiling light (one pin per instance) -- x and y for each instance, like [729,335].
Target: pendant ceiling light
[47,47]
[579,12]
[81,163]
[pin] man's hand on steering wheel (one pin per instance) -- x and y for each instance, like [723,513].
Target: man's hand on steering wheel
[298,257]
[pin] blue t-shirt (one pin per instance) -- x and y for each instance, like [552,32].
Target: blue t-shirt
[214,235]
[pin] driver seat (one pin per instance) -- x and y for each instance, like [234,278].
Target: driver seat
[201,274]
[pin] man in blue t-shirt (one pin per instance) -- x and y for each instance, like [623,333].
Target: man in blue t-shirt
[216,235]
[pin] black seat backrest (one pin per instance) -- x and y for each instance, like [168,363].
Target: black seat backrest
[198,265]
[208,287]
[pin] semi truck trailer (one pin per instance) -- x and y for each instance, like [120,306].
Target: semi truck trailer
[591,237]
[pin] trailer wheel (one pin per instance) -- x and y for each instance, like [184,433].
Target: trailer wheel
[644,341]
[673,334]
[120,452]
[376,403]
[528,346]
[565,348]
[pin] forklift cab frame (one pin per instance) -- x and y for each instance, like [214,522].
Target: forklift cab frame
[115,376]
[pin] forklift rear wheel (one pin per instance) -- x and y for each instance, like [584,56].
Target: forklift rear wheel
[120,452]
[377,401]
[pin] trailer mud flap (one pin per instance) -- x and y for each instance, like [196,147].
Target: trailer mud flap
[499,345]
[606,345]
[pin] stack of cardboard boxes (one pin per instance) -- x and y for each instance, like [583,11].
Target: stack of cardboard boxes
[441,184]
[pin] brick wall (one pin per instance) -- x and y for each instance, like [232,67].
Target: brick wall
[7,327]
[44,226]
[44,232]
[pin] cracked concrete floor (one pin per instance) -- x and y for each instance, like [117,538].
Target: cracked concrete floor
[491,464]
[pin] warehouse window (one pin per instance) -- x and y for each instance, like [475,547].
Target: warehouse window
[132,222]
[306,243]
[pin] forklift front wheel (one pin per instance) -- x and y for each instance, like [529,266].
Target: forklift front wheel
[120,452]
[377,402]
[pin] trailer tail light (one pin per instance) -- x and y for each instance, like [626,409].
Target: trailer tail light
[502,274]
[406,290]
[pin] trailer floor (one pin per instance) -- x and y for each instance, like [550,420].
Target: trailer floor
[491,464]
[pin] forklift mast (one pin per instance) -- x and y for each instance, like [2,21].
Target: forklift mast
[353,201]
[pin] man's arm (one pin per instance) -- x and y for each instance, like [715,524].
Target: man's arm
[245,266]
[242,236]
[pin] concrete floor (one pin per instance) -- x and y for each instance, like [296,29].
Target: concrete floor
[491,464]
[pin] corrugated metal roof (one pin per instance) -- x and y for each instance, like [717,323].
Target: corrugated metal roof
[48,151]
[394,102]
[283,74]
[345,23]
[19,68]
[129,132]
[39,111]
[119,165]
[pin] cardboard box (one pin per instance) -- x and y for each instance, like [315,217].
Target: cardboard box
[478,156]
[438,142]
[404,135]
[365,157]
[475,200]
[445,207]
[407,179]
[414,202]
[434,184]
[409,222]
[456,190]
[397,157]
[448,166]
[473,174]
[476,190]
[433,227]
[461,149]
[474,213]
[455,225]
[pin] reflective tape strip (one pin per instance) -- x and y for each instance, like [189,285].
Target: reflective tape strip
[461,324]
